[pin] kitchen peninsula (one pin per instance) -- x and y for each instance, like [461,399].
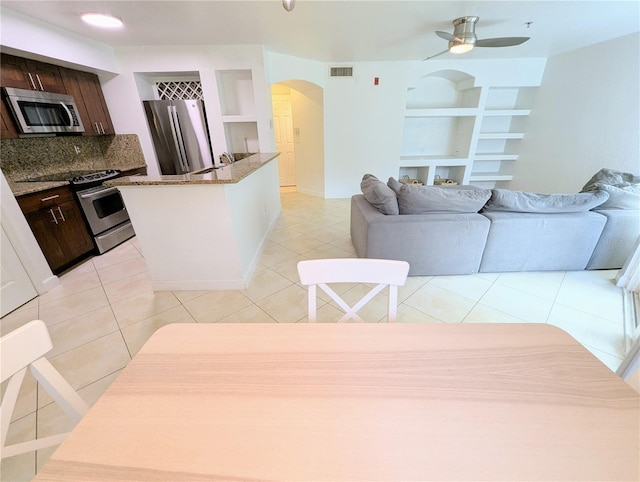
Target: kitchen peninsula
[204,230]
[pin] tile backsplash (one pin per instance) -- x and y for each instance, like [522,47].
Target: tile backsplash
[25,158]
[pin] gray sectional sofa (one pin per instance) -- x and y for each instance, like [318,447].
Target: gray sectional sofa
[463,230]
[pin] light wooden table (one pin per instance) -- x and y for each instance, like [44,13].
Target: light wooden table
[355,402]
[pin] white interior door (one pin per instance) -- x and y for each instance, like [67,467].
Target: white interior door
[15,286]
[283,127]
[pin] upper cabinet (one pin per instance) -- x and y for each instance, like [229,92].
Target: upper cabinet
[85,88]
[455,129]
[30,74]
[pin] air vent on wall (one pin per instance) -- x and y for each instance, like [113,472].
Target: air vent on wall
[341,72]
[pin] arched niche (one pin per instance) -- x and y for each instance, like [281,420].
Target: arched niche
[443,89]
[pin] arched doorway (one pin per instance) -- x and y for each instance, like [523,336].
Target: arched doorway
[299,134]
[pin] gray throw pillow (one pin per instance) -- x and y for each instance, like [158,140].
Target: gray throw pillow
[414,199]
[394,184]
[610,177]
[379,195]
[627,197]
[528,202]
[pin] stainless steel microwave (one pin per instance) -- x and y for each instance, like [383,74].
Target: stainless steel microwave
[43,112]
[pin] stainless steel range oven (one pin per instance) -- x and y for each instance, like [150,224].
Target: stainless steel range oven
[103,209]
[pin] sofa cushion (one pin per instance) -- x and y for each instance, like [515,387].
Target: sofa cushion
[432,243]
[528,202]
[414,199]
[540,242]
[379,195]
[626,197]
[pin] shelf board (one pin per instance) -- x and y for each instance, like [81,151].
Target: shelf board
[496,157]
[488,176]
[442,112]
[501,135]
[505,112]
[433,161]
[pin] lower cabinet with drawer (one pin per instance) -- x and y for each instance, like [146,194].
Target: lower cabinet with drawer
[58,226]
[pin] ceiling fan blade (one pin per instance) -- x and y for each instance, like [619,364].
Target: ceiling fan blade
[501,41]
[445,35]
[437,55]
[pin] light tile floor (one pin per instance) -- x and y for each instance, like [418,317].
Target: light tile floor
[104,310]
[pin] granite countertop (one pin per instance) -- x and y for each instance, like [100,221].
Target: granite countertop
[22,187]
[229,174]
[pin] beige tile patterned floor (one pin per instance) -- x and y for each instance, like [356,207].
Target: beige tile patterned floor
[104,310]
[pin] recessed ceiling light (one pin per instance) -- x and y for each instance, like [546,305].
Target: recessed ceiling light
[102,20]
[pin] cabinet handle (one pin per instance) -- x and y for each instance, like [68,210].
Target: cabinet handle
[102,128]
[33,84]
[97,128]
[53,215]
[49,198]
[61,215]
[39,83]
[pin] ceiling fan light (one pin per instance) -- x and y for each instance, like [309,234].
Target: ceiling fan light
[288,4]
[460,47]
[102,20]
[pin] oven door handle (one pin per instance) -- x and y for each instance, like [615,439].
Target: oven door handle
[98,193]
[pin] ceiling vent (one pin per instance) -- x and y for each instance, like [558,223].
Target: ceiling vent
[341,72]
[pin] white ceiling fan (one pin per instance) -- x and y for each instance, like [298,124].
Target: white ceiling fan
[464,38]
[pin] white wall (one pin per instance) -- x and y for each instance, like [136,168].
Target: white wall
[493,72]
[586,117]
[363,125]
[38,40]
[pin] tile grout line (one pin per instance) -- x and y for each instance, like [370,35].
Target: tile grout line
[555,298]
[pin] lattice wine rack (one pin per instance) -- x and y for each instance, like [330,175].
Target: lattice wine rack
[179,90]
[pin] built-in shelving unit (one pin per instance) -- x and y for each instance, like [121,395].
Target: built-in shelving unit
[458,130]
[237,103]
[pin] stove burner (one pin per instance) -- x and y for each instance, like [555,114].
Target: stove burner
[95,176]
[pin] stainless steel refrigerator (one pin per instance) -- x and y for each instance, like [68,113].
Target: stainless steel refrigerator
[180,135]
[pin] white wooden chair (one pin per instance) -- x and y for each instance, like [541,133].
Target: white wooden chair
[25,348]
[631,362]
[384,272]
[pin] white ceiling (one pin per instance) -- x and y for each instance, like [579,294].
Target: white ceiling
[347,31]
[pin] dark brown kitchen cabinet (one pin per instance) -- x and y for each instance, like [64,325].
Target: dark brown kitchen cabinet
[30,74]
[86,90]
[7,127]
[58,226]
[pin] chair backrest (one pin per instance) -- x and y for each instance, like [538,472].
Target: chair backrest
[25,348]
[383,272]
[631,361]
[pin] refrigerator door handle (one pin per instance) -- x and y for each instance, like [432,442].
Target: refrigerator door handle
[177,138]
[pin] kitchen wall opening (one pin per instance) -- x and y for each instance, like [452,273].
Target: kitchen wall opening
[177,121]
